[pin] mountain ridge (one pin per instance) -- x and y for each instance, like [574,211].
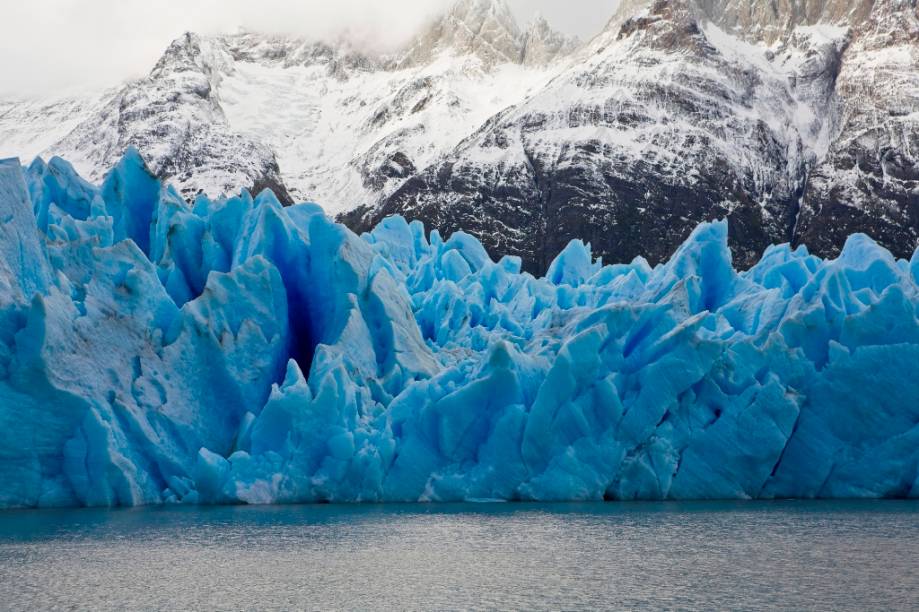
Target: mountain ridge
[676,121]
[204,117]
[797,121]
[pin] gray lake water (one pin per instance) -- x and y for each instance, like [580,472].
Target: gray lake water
[795,555]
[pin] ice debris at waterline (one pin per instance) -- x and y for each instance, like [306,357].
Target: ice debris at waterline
[237,351]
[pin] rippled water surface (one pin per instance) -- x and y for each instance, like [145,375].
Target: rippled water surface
[740,556]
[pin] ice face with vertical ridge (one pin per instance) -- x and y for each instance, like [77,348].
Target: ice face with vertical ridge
[238,351]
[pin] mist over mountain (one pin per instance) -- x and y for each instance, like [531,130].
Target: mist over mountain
[89,44]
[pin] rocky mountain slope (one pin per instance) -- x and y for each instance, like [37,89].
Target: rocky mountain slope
[869,178]
[798,121]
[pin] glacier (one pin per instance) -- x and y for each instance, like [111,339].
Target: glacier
[234,350]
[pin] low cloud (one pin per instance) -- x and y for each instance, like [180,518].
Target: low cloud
[60,45]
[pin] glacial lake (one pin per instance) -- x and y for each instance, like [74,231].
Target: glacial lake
[787,555]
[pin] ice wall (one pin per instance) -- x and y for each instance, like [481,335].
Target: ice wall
[235,350]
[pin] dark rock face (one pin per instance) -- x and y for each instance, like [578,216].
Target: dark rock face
[668,124]
[272,182]
[396,166]
[175,118]
[869,180]
[612,155]
[624,212]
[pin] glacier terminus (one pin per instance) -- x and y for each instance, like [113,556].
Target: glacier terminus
[233,350]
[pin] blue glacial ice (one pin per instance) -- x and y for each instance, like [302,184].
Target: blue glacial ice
[236,351]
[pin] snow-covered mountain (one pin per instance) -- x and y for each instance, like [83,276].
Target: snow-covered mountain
[868,180]
[796,120]
[312,120]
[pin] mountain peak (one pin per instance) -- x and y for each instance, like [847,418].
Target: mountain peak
[542,43]
[767,21]
[485,29]
[538,25]
[183,53]
[481,9]
[488,30]
[757,21]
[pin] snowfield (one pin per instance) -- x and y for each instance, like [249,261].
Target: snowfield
[331,133]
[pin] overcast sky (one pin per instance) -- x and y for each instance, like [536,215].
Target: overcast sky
[56,45]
